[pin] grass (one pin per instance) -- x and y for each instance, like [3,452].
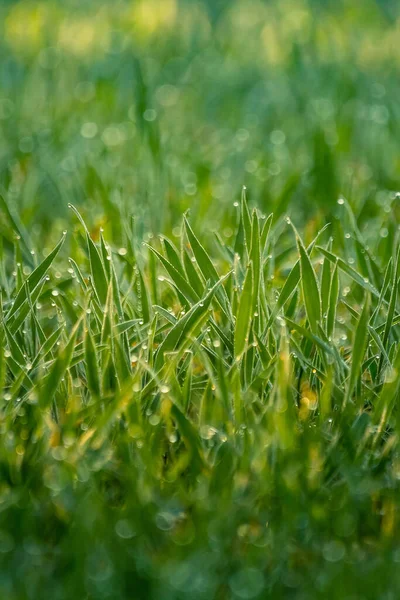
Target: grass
[198,384]
[180,426]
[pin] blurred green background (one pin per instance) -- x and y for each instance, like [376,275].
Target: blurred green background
[150,107]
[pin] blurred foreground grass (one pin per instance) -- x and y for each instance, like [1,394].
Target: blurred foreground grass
[212,414]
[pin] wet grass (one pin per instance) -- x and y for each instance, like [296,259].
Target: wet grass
[199,403]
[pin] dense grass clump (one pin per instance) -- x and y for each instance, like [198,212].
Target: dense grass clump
[197,418]
[209,414]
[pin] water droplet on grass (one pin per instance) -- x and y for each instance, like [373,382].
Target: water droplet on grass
[124,529]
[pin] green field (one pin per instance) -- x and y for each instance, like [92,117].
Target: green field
[200,312]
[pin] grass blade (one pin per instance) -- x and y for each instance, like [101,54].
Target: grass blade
[359,347]
[243,318]
[310,288]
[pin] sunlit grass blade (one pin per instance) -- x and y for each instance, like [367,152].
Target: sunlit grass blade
[244,315]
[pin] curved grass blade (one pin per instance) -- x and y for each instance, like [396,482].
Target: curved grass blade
[186,325]
[26,307]
[98,272]
[78,274]
[192,275]
[349,271]
[291,282]
[34,278]
[206,266]
[179,280]
[47,346]
[173,256]
[61,364]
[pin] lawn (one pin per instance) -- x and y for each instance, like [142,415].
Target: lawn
[199,281]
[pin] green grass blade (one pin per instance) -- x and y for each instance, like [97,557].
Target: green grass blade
[392,306]
[255,257]
[246,220]
[205,265]
[186,325]
[179,280]
[58,370]
[310,288]
[244,315]
[358,350]
[333,301]
[349,271]
[99,278]
[91,365]
[34,278]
